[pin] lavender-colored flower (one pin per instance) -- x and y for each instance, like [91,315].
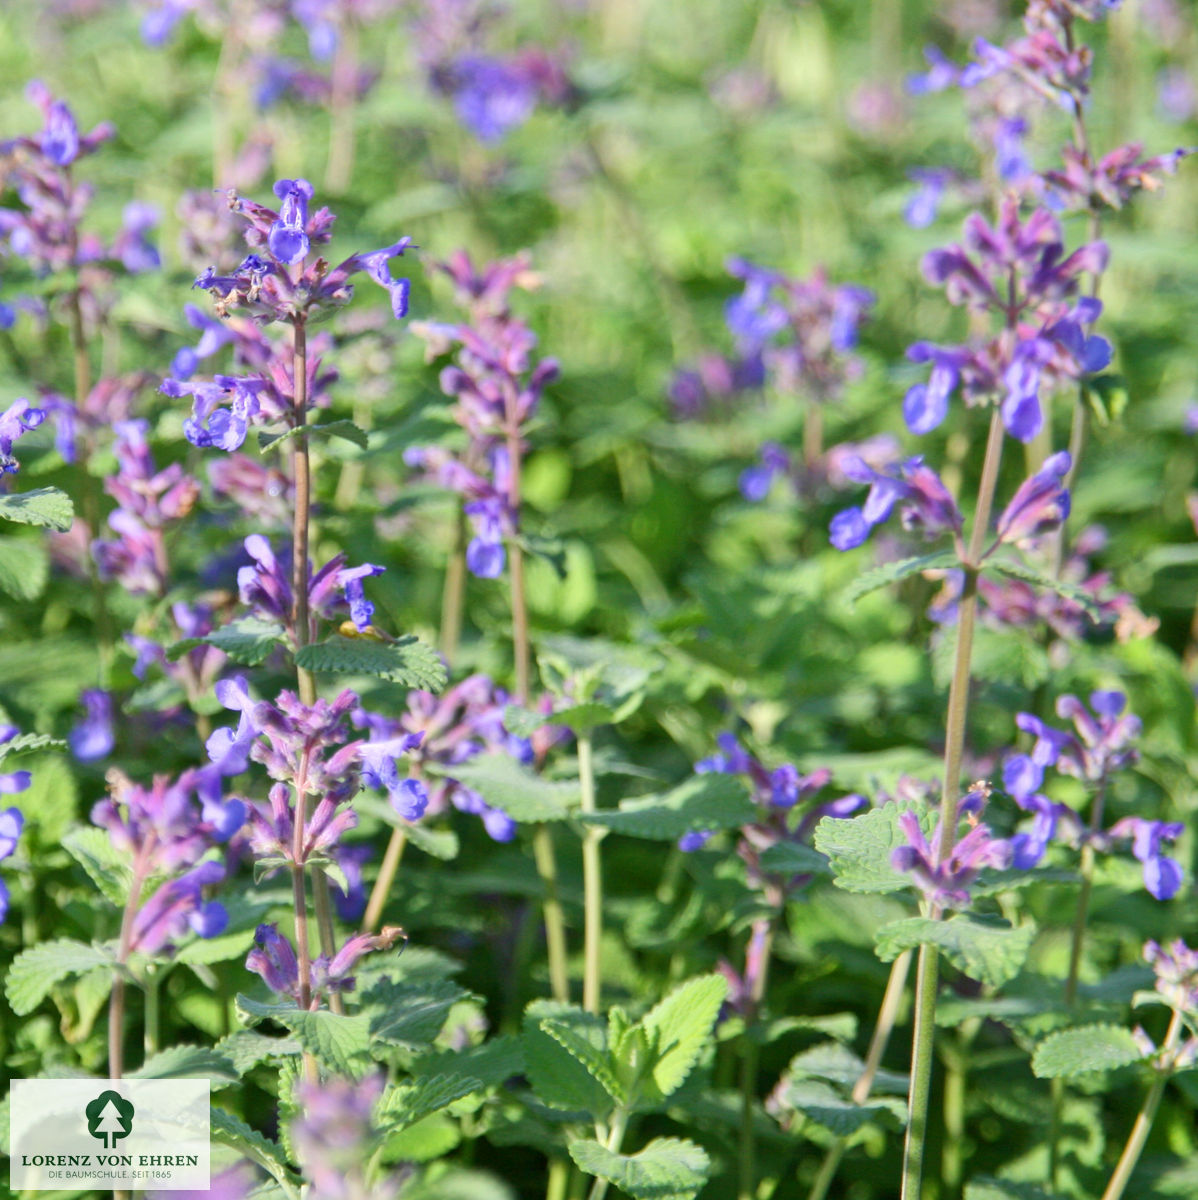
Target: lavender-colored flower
[1163,876]
[755,482]
[922,207]
[1040,504]
[12,821]
[360,609]
[1176,969]
[177,906]
[351,904]
[274,960]
[93,736]
[18,419]
[946,883]
[926,504]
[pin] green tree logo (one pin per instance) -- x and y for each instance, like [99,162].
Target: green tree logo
[109,1118]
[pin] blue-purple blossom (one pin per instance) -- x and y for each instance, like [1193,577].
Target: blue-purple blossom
[1041,503]
[351,904]
[1162,875]
[947,882]
[18,419]
[491,97]
[93,736]
[177,906]
[361,610]
[923,204]
[755,482]
[288,238]
[11,824]
[926,504]
[1176,969]
[273,958]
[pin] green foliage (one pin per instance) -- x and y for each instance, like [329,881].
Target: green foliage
[558,1076]
[48,507]
[666,1169]
[989,951]
[677,1029]
[523,795]
[248,641]
[230,1130]
[880,577]
[409,1013]
[24,568]
[706,802]
[345,430]
[407,660]
[340,1042]
[1082,1051]
[859,849]
[188,1062]
[38,969]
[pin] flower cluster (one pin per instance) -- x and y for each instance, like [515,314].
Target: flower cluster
[12,821]
[945,881]
[496,387]
[1099,746]
[16,420]
[1176,969]
[778,794]
[274,959]
[164,828]
[278,280]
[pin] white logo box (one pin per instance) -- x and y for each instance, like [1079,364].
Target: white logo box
[153,1134]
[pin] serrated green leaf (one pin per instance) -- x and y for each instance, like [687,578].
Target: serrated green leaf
[232,1131]
[49,507]
[581,718]
[557,1077]
[223,948]
[824,1104]
[406,1103]
[1070,591]
[24,568]
[246,1048]
[344,429]
[986,1188]
[493,1062]
[433,1137]
[410,1014]
[248,641]
[1089,1048]
[50,801]
[93,851]
[591,1052]
[991,952]
[36,970]
[338,1041]
[859,848]
[521,722]
[837,1064]
[680,1026]
[407,660]
[666,1169]
[793,858]
[522,794]
[187,1062]
[879,577]
[25,742]
[704,803]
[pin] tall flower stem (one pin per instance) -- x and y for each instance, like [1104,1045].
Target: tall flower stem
[928,968]
[386,877]
[1077,942]
[454,594]
[542,838]
[887,1015]
[1145,1117]
[306,682]
[761,945]
[153,1030]
[592,881]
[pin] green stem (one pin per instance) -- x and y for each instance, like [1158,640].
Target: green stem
[454,594]
[382,885]
[1145,1117]
[153,1037]
[614,1140]
[928,969]
[559,1177]
[592,881]
[757,964]
[555,924]
[887,1015]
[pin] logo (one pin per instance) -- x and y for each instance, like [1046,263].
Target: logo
[109,1118]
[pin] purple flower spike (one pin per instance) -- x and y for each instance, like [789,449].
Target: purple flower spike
[1022,776]
[1040,504]
[1163,876]
[93,737]
[11,823]
[350,578]
[60,137]
[376,266]
[274,959]
[288,237]
[410,799]
[848,529]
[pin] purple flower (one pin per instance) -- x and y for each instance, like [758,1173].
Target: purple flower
[274,959]
[927,505]
[376,265]
[1041,503]
[351,904]
[947,883]
[491,97]
[333,1136]
[350,578]
[696,840]
[178,905]
[12,821]
[288,238]
[18,419]
[923,205]
[755,481]
[1163,876]
[1176,971]
[93,737]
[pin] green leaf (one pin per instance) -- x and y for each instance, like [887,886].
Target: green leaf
[246,1048]
[704,802]
[590,1051]
[1070,591]
[879,577]
[187,1062]
[407,1103]
[338,1041]
[666,1169]
[582,718]
[93,851]
[247,641]
[558,1078]
[36,970]
[407,660]
[493,1062]
[522,794]
[991,952]
[824,1104]
[47,506]
[680,1026]
[223,948]
[859,848]
[30,741]
[837,1064]
[1089,1048]
[986,1188]
[521,722]
[232,1131]
[793,858]
[24,568]
[410,1014]
[330,429]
